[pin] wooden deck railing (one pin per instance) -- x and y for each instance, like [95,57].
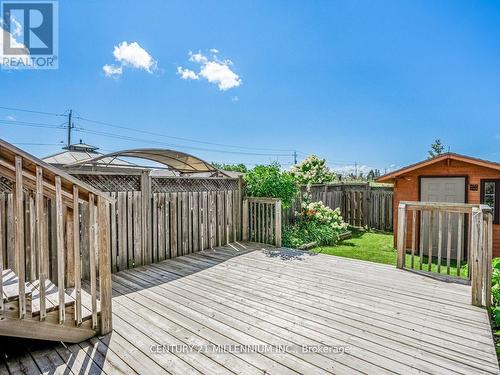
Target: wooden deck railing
[440,238]
[261,220]
[45,223]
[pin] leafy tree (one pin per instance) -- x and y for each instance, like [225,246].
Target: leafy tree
[271,181]
[437,148]
[231,167]
[373,174]
[312,170]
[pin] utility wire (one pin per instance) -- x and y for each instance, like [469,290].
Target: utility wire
[178,138]
[32,111]
[35,144]
[66,114]
[128,138]
[30,124]
[111,135]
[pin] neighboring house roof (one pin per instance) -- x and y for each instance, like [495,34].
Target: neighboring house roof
[389,177]
[231,174]
[81,152]
[163,173]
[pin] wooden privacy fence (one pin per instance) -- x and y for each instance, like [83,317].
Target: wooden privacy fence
[361,205]
[262,220]
[41,235]
[437,237]
[148,226]
[157,218]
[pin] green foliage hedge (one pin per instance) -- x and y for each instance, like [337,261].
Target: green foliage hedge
[270,181]
[314,222]
[495,308]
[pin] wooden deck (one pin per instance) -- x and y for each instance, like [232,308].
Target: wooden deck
[246,296]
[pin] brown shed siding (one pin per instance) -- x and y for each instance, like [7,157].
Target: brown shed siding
[407,186]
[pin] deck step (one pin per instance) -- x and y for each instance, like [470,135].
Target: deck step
[11,293]
[51,297]
[32,326]
[10,283]
[48,329]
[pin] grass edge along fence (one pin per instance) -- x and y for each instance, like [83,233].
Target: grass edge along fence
[360,204]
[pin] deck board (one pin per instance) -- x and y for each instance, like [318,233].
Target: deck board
[392,321]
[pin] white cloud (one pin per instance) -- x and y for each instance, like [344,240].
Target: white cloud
[213,70]
[197,57]
[112,70]
[16,32]
[10,118]
[214,51]
[134,55]
[361,168]
[235,99]
[130,55]
[18,29]
[186,73]
[220,74]
[348,169]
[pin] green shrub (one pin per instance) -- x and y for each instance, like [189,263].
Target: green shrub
[495,291]
[270,181]
[495,308]
[315,223]
[231,167]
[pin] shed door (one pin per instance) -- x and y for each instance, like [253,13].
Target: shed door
[441,189]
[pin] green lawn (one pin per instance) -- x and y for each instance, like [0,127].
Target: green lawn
[372,246]
[378,247]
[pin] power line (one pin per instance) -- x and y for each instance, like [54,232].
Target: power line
[70,126]
[177,138]
[69,113]
[30,124]
[129,138]
[35,144]
[32,111]
[64,126]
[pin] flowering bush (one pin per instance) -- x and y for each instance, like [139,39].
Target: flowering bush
[316,223]
[312,170]
[317,211]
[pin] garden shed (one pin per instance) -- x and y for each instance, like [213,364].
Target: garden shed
[451,178]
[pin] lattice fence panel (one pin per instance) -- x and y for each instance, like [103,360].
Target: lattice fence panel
[110,183]
[5,185]
[170,185]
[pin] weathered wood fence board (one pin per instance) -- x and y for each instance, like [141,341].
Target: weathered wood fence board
[174,220]
[43,227]
[360,204]
[262,220]
[170,217]
[478,250]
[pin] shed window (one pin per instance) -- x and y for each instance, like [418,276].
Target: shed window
[490,195]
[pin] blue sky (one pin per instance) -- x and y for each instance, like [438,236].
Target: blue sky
[367,81]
